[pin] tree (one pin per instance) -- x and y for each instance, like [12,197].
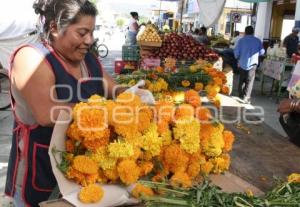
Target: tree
[120,22]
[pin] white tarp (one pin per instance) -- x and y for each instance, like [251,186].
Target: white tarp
[17,20]
[210,11]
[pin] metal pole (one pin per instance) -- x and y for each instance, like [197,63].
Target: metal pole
[181,13]
[158,20]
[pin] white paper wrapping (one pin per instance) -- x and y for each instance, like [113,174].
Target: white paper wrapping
[114,195]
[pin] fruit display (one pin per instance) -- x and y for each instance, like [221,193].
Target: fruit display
[184,47]
[150,35]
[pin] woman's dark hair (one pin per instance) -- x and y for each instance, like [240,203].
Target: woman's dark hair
[203,30]
[249,30]
[62,12]
[134,14]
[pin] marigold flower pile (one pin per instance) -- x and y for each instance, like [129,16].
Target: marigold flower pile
[124,140]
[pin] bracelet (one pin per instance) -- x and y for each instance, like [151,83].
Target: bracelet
[292,105]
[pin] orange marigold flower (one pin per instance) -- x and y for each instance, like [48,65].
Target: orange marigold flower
[193,170]
[175,158]
[184,111]
[91,194]
[218,81]
[141,190]
[206,168]
[128,98]
[203,114]
[75,175]
[96,143]
[164,110]
[73,132]
[192,97]
[198,86]
[159,69]
[185,83]
[85,165]
[70,146]
[225,89]
[181,179]
[111,174]
[128,171]
[162,127]
[145,168]
[228,140]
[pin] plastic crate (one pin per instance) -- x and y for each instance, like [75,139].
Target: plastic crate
[130,53]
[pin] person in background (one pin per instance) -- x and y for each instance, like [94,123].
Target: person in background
[291,42]
[289,110]
[247,52]
[133,29]
[203,38]
[46,78]
[235,39]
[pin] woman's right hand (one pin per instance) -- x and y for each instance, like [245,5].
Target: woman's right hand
[284,106]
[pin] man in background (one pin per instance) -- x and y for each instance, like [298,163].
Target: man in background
[291,42]
[247,52]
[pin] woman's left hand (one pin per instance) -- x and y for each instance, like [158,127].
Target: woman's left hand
[284,106]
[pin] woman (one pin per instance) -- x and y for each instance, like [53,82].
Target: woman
[56,74]
[289,110]
[133,28]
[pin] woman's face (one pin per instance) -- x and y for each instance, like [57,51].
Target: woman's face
[75,41]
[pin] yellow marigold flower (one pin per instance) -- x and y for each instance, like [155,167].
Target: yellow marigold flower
[193,68]
[198,86]
[181,179]
[151,141]
[221,163]
[206,168]
[120,149]
[184,111]
[84,164]
[203,114]
[185,83]
[228,137]
[163,84]
[294,178]
[96,100]
[192,97]
[166,137]
[249,193]
[217,101]
[174,158]
[128,171]
[137,153]
[101,157]
[91,194]
[73,132]
[212,141]
[145,168]
[188,133]
[112,174]
[141,190]
[212,90]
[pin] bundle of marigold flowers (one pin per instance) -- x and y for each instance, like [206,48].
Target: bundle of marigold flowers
[124,140]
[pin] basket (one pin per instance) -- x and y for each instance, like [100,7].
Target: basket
[150,44]
[130,53]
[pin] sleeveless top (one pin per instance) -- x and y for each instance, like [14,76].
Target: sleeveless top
[38,181]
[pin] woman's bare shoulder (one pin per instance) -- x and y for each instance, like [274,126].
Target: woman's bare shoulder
[29,64]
